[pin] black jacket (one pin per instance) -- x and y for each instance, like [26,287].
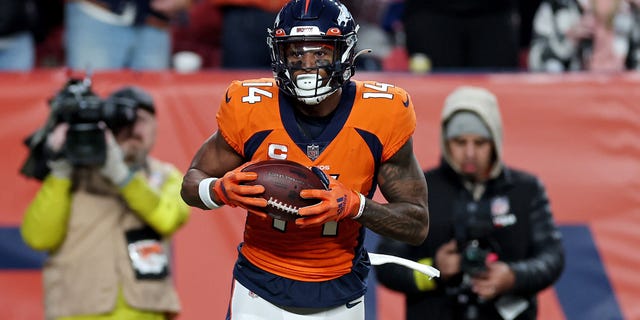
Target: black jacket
[16,16]
[530,243]
[459,7]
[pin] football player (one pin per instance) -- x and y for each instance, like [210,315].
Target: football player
[359,133]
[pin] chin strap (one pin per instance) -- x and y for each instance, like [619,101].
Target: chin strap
[314,100]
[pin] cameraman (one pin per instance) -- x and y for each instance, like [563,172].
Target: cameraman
[107,227]
[493,237]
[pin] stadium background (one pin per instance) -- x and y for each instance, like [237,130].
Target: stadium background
[580,133]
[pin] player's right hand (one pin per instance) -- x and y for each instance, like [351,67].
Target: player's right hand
[230,190]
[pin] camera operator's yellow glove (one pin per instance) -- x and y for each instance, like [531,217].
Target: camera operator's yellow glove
[114,168]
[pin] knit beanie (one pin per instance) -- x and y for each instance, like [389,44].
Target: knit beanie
[141,98]
[466,122]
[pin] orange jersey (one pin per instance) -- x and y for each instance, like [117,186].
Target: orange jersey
[372,122]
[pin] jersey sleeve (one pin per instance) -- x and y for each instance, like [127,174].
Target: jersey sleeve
[403,122]
[227,117]
[387,112]
[244,108]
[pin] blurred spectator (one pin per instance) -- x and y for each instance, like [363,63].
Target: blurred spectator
[493,235]
[463,35]
[600,35]
[526,10]
[244,24]
[369,15]
[115,34]
[17,18]
[48,33]
[392,23]
[200,33]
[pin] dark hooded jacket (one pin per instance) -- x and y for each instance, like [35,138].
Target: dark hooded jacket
[510,216]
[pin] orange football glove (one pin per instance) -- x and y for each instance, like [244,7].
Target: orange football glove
[230,190]
[337,202]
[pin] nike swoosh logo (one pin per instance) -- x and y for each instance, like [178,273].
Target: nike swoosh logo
[405,102]
[226,96]
[352,304]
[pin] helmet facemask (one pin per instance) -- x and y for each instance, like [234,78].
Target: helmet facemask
[326,63]
[305,24]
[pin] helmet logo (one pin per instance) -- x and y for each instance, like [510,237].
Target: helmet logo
[344,17]
[333,32]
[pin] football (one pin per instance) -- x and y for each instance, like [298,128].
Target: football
[283,180]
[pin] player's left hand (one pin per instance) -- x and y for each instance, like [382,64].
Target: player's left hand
[337,202]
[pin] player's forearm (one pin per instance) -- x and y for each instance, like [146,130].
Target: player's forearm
[406,215]
[401,221]
[190,185]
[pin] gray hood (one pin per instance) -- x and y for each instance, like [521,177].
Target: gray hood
[481,102]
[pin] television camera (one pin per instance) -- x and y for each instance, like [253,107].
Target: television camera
[88,116]
[473,230]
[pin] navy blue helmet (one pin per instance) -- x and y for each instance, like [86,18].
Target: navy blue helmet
[325,23]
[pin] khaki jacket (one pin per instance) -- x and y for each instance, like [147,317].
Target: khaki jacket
[85,271]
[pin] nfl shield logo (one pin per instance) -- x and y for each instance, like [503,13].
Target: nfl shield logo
[313,151]
[500,206]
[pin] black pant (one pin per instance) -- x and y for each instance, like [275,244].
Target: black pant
[486,42]
[244,38]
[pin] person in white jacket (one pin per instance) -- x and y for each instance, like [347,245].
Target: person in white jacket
[573,35]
